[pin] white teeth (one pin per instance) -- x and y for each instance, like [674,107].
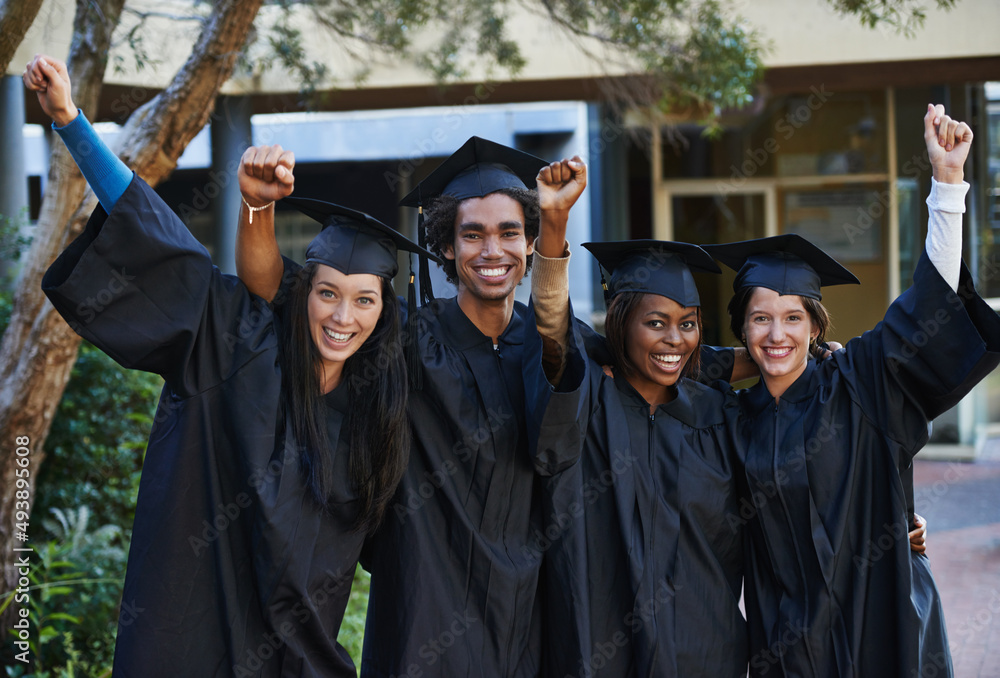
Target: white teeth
[777,351]
[337,336]
[667,358]
[492,272]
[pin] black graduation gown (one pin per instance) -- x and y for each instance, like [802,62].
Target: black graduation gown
[455,565]
[835,589]
[232,568]
[645,577]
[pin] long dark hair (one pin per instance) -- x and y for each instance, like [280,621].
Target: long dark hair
[376,421]
[620,314]
[817,312]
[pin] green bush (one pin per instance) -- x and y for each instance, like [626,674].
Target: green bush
[69,605]
[84,507]
[94,456]
[352,631]
[95,449]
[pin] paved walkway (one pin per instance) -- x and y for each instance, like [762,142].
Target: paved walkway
[961,502]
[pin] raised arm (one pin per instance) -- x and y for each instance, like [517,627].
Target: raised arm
[104,171]
[161,305]
[934,345]
[560,185]
[265,175]
[948,144]
[555,367]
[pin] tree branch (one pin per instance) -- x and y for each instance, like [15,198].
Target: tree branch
[15,20]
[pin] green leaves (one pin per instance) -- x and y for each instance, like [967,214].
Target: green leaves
[690,56]
[903,16]
[90,478]
[72,607]
[693,57]
[352,630]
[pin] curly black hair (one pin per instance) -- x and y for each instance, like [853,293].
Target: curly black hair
[439,221]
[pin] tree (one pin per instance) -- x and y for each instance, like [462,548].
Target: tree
[688,52]
[15,19]
[38,347]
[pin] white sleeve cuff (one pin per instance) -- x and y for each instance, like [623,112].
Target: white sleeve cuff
[947,197]
[946,204]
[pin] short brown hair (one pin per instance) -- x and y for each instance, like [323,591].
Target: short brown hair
[439,222]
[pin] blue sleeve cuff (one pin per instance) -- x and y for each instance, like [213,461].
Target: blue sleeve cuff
[103,170]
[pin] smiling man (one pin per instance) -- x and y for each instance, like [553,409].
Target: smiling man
[455,566]
[483,220]
[461,549]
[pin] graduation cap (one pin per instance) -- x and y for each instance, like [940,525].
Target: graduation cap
[355,242]
[475,170]
[352,241]
[787,264]
[653,267]
[478,168]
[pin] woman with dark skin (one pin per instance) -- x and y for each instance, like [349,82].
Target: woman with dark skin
[281,432]
[645,574]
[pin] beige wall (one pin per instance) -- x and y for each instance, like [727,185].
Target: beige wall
[800,32]
[806,32]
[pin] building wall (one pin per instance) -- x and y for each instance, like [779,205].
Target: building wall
[799,33]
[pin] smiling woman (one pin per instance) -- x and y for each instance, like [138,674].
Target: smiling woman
[645,579]
[342,310]
[776,311]
[829,443]
[281,433]
[654,340]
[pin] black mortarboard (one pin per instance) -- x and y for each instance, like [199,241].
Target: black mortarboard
[787,264]
[475,170]
[353,242]
[478,168]
[653,267]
